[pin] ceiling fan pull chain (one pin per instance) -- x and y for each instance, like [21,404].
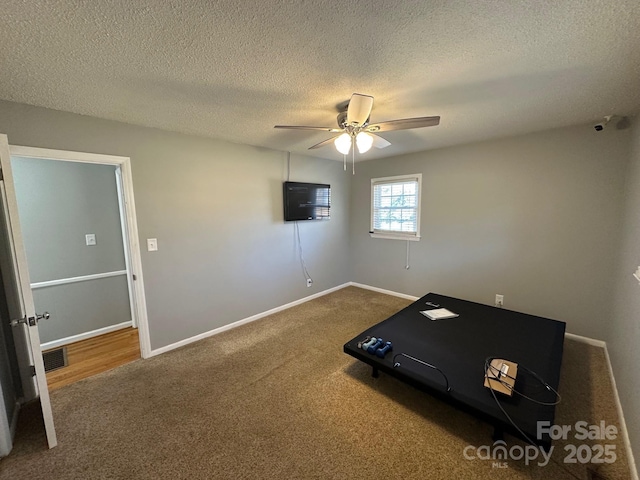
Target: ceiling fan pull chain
[406,265]
[353,161]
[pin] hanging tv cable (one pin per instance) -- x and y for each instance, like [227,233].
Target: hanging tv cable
[303,264]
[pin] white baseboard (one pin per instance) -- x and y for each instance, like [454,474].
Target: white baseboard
[84,336]
[382,290]
[587,340]
[623,423]
[244,321]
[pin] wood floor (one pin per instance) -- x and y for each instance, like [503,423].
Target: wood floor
[96,355]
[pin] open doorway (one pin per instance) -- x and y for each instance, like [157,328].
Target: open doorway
[80,236]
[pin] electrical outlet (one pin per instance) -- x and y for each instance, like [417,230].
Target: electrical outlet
[499,300]
[152,244]
[90,238]
[309,282]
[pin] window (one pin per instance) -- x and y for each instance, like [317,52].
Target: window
[395,207]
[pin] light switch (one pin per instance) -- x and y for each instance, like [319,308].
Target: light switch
[90,238]
[152,244]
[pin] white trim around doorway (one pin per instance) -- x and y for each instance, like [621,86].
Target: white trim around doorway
[132,244]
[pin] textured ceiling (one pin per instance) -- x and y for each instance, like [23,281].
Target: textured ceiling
[234,69]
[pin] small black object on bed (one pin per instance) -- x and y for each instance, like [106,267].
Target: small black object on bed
[447,359]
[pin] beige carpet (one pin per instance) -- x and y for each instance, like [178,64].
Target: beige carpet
[279,399]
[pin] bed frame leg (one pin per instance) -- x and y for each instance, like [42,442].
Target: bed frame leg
[375,373]
[498,434]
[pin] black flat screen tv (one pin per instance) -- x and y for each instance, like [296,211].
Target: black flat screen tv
[306,201]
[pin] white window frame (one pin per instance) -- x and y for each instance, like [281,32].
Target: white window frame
[393,235]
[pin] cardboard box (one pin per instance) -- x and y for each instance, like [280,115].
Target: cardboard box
[501,376]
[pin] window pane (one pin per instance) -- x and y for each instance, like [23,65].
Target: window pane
[395,206]
[396,189]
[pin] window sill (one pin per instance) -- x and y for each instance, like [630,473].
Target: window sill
[391,236]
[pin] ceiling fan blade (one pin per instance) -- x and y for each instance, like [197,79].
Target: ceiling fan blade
[404,124]
[359,108]
[323,143]
[379,142]
[302,127]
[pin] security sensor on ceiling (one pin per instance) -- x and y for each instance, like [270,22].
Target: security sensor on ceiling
[600,125]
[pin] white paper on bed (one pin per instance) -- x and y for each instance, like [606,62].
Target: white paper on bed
[438,314]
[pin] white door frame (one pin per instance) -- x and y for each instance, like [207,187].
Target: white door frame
[129,230]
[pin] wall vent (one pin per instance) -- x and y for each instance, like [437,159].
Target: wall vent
[55,359]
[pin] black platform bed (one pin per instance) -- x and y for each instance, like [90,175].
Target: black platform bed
[457,348]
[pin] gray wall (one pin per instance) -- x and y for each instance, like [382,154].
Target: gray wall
[216,209]
[59,202]
[82,307]
[535,218]
[623,336]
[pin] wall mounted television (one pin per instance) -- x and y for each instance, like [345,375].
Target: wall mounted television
[306,201]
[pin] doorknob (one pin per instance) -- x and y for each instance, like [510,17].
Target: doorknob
[32,321]
[15,323]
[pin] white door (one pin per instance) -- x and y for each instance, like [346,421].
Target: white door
[15,273]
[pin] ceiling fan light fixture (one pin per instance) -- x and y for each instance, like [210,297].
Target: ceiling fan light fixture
[364,141]
[343,143]
[354,128]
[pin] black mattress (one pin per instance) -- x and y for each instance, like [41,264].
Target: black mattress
[458,348]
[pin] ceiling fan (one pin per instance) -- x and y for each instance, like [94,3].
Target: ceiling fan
[353,124]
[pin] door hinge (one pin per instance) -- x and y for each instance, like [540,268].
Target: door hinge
[1,175]
[33,370]
[134,277]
